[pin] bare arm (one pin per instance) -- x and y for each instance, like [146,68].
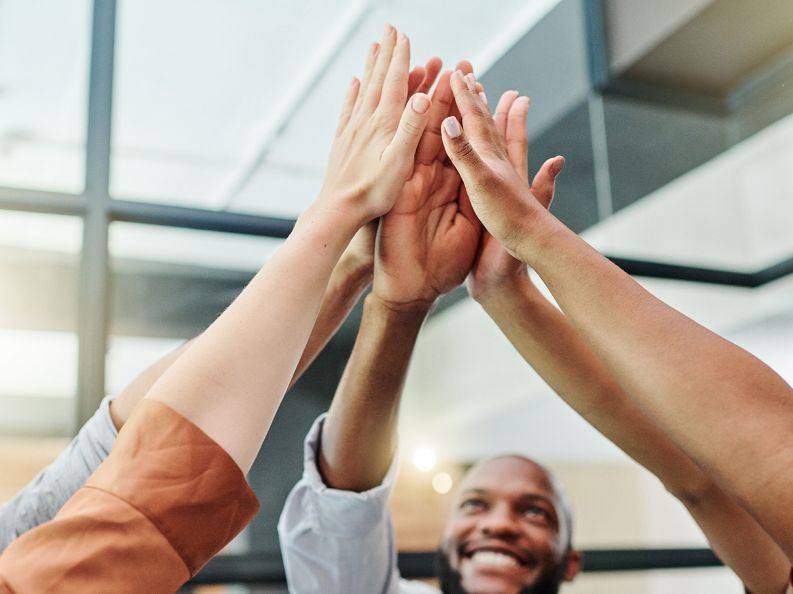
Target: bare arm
[722,407]
[426,245]
[231,380]
[552,346]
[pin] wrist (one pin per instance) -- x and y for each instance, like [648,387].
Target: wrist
[404,313]
[516,289]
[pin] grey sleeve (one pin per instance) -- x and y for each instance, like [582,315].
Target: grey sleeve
[40,500]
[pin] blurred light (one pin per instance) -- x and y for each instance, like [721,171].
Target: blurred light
[424,459]
[442,483]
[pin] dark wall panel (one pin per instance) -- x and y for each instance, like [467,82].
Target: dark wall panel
[650,146]
[549,64]
[575,202]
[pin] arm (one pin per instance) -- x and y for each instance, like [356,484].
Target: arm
[426,245]
[218,397]
[41,500]
[335,529]
[697,388]
[550,344]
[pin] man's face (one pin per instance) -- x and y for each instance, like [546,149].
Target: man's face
[507,531]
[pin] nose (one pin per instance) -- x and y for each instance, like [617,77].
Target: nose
[499,521]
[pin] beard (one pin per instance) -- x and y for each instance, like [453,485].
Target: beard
[548,582]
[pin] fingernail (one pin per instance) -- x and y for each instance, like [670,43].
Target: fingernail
[556,168]
[470,78]
[387,31]
[460,75]
[420,103]
[484,98]
[452,127]
[402,38]
[373,48]
[353,80]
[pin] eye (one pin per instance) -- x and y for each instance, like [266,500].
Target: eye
[473,504]
[535,512]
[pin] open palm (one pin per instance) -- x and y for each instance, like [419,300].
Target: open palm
[428,240]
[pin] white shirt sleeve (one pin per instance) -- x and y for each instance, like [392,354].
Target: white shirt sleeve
[340,542]
[40,500]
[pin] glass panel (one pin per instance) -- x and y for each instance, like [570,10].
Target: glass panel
[44,64]
[207,91]
[732,213]
[38,303]
[168,285]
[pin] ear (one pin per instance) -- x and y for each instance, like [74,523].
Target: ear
[575,562]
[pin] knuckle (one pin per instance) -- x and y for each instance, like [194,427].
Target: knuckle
[411,126]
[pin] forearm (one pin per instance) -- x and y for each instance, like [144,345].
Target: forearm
[724,408]
[232,379]
[550,344]
[359,436]
[347,283]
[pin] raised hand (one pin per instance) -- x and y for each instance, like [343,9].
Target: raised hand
[500,196]
[376,139]
[494,266]
[427,242]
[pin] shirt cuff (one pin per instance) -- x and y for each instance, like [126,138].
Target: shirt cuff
[343,513]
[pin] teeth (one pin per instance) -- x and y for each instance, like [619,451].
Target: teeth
[493,558]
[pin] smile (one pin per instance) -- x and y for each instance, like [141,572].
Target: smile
[494,558]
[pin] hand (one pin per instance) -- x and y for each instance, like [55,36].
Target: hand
[427,242]
[500,196]
[494,266]
[376,139]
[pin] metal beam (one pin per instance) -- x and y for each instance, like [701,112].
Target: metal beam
[267,568]
[42,201]
[93,312]
[750,280]
[196,218]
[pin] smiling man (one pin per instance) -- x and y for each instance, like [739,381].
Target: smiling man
[510,530]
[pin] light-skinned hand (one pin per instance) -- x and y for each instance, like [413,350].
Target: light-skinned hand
[376,139]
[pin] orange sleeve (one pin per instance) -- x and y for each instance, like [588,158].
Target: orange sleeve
[165,501]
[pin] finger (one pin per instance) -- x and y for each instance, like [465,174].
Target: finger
[502,109]
[402,150]
[465,67]
[544,183]
[416,79]
[431,142]
[371,59]
[468,102]
[433,68]
[517,139]
[479,92]
[462,154]
[395,88]
[348,104]
[375,88]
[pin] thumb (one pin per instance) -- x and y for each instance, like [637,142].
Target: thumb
[414,119]
[544,183]
[464,157]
